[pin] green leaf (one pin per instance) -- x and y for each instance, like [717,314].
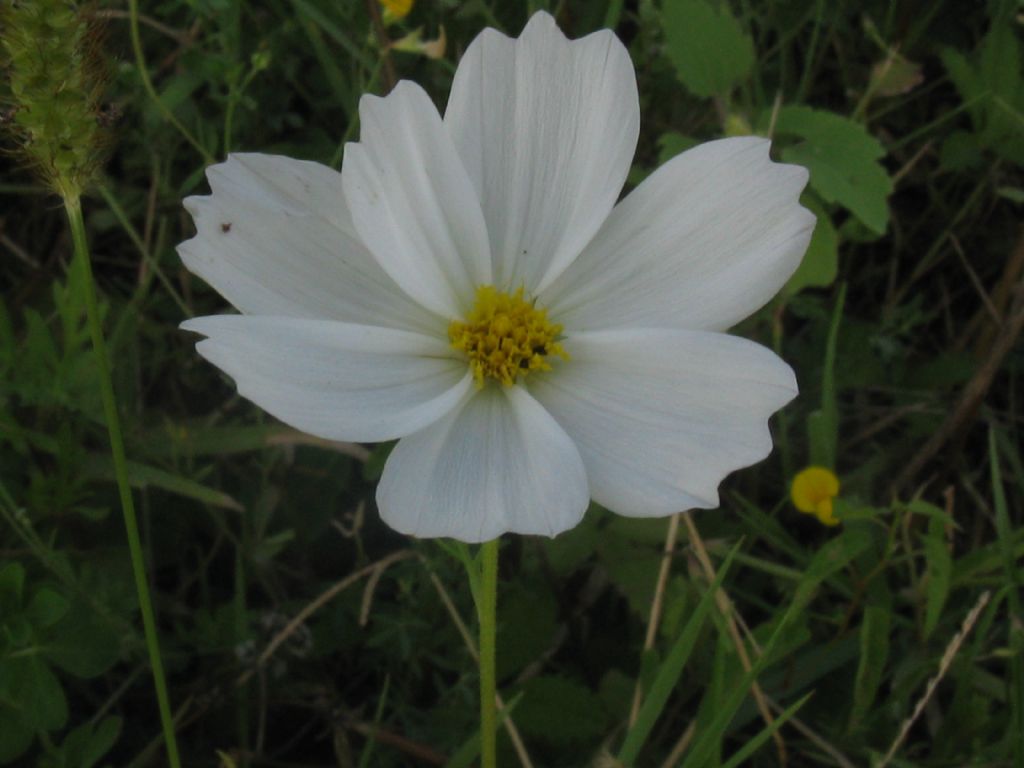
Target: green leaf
[46,608]
[992,87]
[616,692]
[709,49]
[552,700]
[874,649]
[963,76]
[831,558]
[823,424]
[82,644]
[633,570]
[527,625]
[630,549]
[87,744]
[709,738]
[143,476]
[567,552]
[35,692]
[821,261]
[743,753]
[940,571]
[673,143]
[961,151]
[929,510]
[12,586]
[668,674]
[809,668]
[1013,194]
[16,736]
[267,548]
[1011,578]
[843,160]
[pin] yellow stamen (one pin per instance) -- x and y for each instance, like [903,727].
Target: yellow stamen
[505,337]
[812,492]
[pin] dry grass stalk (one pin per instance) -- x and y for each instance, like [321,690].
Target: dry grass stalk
[325,597]
[657,604]
[947,658]
[729,613]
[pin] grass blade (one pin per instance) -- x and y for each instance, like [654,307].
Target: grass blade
[755,743]
[1004,531]
[668,674]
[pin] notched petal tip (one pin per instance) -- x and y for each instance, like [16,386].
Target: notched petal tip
[542,23]
[662,417]
[405,93]
[205,325]
[803,172]
[703,242]
[194,204]
[797,175]
[498,464]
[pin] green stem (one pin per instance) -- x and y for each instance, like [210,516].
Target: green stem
[140,62]
[487,610]
[74,210]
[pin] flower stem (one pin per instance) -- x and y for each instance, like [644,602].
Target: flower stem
[487,610]
[73,207]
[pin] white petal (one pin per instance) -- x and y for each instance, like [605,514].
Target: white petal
[702,243]
[547,129]
[412,202]
[498,464]
[336,380]
[660,417]
[276,238]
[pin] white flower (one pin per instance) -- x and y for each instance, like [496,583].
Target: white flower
[373,298]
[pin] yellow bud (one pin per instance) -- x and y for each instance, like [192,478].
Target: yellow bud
[396,10]
[812,492]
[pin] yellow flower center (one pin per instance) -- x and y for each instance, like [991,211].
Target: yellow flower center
[505,336]
[812,492]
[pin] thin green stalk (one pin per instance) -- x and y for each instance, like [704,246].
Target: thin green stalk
[613,14]
[140,62]
[147,255]
[74,210]
[487,610]
[805,79]
[242,694]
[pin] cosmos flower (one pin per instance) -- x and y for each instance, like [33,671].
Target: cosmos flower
[467,283]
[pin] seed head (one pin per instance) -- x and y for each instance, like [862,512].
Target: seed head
[50,49]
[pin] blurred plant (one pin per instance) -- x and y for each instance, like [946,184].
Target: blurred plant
[53,71]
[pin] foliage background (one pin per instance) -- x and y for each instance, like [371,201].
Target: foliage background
[902,325]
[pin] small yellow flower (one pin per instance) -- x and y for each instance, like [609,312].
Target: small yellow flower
[396,10]
[812,492]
